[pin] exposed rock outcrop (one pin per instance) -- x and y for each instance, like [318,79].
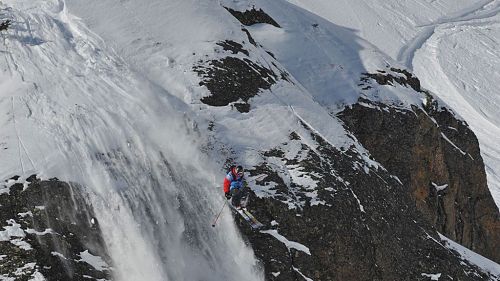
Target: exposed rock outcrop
[437,158]
[354,223]
[49,230]
[253,16]
[233,80]
[440,166]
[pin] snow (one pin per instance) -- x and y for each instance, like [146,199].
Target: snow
[451,46]
[456,147]
[58,255]
[28,213]
[22,270]
[5,190]
[439,187]
[434,277]
[37,276]
[465,78]
[314,198]
[472,257]
[301,177]
[85,79]
[21,244]
[361,208]
[391,26]
[289,244]
[303,276]
[114,78]
[95,261]
[12,230]
[46,231]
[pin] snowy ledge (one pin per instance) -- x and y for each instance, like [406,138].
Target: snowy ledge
[477,259]
[455,146]
[439,187]
[289,244]
[95,261]
[434,277]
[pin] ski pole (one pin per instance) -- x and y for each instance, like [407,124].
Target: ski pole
[218,215]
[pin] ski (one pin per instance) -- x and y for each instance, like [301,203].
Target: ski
[247,216]
[255,223]
[241,213]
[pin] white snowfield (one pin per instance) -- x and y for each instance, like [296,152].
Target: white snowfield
[103,93]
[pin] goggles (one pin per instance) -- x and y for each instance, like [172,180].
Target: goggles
[239,171]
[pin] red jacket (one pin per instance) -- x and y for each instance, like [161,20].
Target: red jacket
[231,181]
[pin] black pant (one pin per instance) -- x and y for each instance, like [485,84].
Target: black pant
[236,195]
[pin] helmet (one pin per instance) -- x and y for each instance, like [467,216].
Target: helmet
[239,171]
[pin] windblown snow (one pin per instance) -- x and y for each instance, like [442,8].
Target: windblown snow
[88,108]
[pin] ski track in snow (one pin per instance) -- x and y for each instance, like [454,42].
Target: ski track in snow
[475,12]
[20,142]
[459,62]
[424,38]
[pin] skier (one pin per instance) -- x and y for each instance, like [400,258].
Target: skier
[234,186]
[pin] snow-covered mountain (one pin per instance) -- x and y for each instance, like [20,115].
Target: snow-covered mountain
[351,119]
[451,46]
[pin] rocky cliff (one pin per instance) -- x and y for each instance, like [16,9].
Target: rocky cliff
[332,214]
[436,156]
[49,233]
[362,224]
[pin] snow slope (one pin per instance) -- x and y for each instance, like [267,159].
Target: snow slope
[452,46]
[75,109]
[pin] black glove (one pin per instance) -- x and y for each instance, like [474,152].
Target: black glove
[228,195]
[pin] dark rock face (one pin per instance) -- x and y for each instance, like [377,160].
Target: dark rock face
[49,230]
[384,78]
[232,79]
[438,161]
[253,16]
[250,38]
[359,223]
[233,47]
